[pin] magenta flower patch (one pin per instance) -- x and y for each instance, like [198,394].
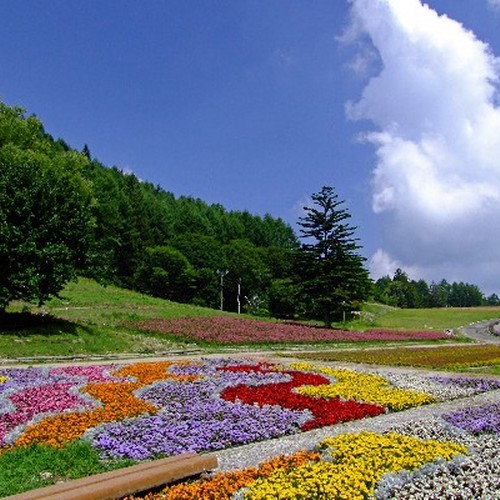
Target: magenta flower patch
[231,330]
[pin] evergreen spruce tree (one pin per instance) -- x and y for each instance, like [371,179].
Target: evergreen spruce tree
[330,271]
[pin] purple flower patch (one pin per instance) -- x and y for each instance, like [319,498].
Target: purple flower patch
[477,384]
[476,420]
[194,418]
[199,426]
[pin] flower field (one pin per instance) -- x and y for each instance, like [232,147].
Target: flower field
[347,466]
[421,460]
[425,357]
[231,330]
[147,410]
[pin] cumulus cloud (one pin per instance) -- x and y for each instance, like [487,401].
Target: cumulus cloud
[433,107]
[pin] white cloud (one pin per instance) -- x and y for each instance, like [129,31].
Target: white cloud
[437,139]
[381,264]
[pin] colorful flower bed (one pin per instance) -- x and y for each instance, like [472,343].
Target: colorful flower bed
[149,409]
[324,411]
[476,475]
[358,386]
[424,459]
[224,485]
[231,330]
[425,357]
[145,410]
[347,466]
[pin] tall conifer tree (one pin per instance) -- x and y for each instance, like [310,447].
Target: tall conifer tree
[331,272]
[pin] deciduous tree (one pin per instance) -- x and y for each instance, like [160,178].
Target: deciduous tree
[45,222]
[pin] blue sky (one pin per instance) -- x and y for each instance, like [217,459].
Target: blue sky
[245,103]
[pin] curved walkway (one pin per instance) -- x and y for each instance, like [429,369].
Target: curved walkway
[481,331]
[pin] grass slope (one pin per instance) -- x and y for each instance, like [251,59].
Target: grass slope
[90,319]
[381,316]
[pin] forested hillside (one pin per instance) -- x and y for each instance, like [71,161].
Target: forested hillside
[175,247]
[120,229]
[401,291]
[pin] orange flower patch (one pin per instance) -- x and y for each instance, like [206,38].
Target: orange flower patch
[147,373]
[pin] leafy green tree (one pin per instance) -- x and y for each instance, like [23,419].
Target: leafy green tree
[440,293]
[380,289]
[246,269]
[45,222]
[24,132]
[330,272]
[493,300]
[165,272]
[465,295]
[278,234]
[403,292]
[206,255]
[278,260]
[284,299]
[421,293]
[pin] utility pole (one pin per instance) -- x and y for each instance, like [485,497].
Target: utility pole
[238,296]
[221,274]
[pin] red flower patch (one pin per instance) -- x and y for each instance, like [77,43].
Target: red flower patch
[325,411]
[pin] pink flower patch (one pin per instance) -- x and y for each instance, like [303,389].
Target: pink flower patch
[96,373]
[47,398]
[42,399]
[231,330]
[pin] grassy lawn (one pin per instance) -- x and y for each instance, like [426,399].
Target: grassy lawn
[380,316]
[37,466]
[90,319]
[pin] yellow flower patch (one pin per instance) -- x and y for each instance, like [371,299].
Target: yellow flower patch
[355,464]
[3,379]
[363,387]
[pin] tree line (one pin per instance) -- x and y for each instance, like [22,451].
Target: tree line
[401,291]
